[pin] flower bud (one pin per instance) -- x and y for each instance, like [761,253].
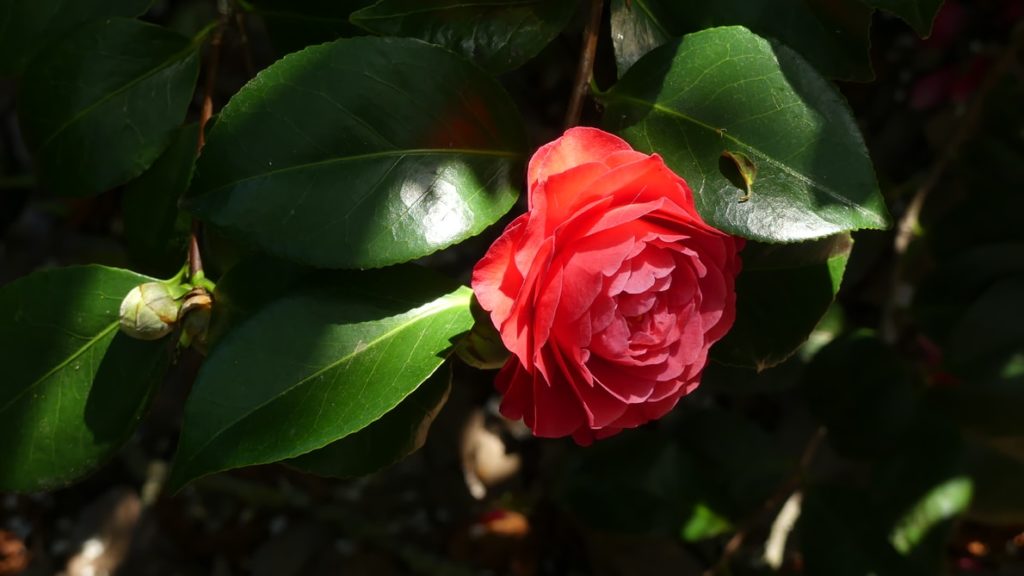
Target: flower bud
[149,311]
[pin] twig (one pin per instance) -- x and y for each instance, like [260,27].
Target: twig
[781,493]
[586,65]
[900,293]
[243,42]
[195,260]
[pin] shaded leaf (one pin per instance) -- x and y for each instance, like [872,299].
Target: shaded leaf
[28,25]
[833,35]
[727,89]
[74,387]
[839,537]
[397,434]
[295,24]
[781,295]
[102,104]
[315,366]
[499,35]
[863,393]
[403,149]
[918,13]
[155,230]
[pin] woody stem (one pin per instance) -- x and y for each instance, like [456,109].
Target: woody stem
[585,69]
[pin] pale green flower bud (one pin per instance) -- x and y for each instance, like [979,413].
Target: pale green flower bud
[149,311]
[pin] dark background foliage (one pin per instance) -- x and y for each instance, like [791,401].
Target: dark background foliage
[891,442]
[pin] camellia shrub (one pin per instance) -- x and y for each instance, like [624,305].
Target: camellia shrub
[689,221]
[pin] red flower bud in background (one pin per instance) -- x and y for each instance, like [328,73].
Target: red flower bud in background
[609,291]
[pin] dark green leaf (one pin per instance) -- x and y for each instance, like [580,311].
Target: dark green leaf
[781,295]
[397,434]
[863,393]
[918,13]
[839,536]
[638,482]
[500,35]
[922,487]
[833,35]
[997,479]
[154,229]
[316,366]
[100,106]
[361,153]
[985,352]
[74,387]
[28,25]
[727,89]
[295,24]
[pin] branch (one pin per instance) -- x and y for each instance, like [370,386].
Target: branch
[195,260]
[585,70]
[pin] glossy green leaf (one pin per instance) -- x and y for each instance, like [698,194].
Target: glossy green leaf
[74,387]
[918,13]
[155,230]
[402,149]
[397,434]
[295,24]
[781,295]
[833,35]
[499,35]
[863,393]
[101,105]
[315,366]
[728,89]
[28,25]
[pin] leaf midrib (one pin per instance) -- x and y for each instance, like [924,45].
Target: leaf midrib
[178,56]
[92,341]
[836,195]
[434,308]
[367,156]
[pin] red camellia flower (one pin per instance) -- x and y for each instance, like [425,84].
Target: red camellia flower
[608,291]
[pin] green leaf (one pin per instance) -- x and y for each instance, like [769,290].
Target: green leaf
[74,387]
[101,105]
[316,366]
[942,503]
[839,536]
[997,479]
[401,150]
[986,353]
[397,434]
[635,483]
[155,230]
[918,13]
[499,35]
[727,89]
[863,393]
[295,24]
[28,25]
[781,295]
[833,35]
[917,492]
